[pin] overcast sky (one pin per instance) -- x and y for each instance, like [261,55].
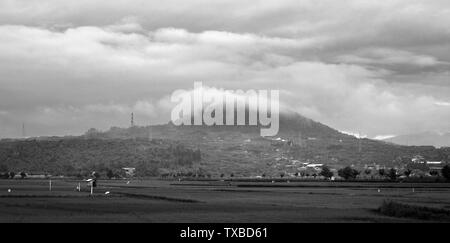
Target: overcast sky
[375,67]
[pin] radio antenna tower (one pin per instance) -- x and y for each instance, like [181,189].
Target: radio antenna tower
[132,119]
[23,130]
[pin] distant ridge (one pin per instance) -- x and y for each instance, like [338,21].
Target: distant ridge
[423,138]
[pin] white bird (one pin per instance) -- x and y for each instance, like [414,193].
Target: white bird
[9,190]
[107,192]
[128,182]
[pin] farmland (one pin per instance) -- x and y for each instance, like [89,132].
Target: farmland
[154,200]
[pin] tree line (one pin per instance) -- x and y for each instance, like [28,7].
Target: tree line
[79,157]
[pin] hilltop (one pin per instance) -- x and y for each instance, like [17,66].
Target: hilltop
[240,149]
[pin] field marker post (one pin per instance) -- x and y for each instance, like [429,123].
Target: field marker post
[50,185]
[79,186]
[92,188]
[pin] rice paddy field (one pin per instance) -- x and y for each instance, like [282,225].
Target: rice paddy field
[154,200]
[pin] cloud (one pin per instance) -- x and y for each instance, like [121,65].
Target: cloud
[442,103]
[356,135]
[354,65]
[383,137]
[389,57]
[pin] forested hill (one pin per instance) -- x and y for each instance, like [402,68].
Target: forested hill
[238,150]
[80,156]
[241,149]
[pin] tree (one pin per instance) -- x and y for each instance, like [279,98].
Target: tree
[392,174]
[407,172]
[382,172]
[110,174]
[197,155]
[12,174]
[446,172]
[23,175]
[3,168]
[434,173]
[348,173]
[326,172]
[92,133]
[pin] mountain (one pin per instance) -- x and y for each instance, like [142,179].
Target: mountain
[423,138]
[241,149]
[238,150]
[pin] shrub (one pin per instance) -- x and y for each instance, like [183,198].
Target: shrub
[4,175]
[434,173]
[326,172]
[407,172]
[348,173]
[110,174]
[446,172]
[392,174]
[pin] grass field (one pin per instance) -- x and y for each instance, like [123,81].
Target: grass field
[213,201]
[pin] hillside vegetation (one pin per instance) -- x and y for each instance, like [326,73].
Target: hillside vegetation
[79,156]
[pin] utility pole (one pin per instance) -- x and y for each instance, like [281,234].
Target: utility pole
[359,147]
[132,119]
